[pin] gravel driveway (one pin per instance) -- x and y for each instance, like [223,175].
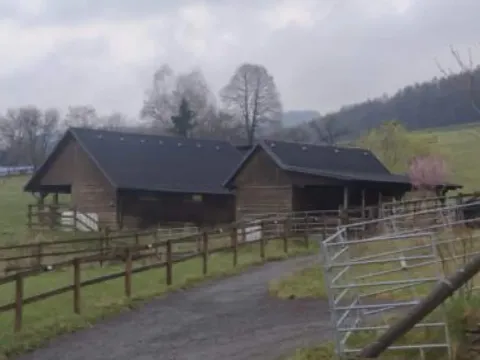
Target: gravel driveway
[233,318]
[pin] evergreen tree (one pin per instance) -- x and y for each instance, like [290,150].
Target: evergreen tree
[183,123]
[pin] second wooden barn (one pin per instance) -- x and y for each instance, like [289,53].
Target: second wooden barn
[276,177]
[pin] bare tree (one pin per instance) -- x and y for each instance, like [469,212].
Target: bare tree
[81,116]
[252,96]
[219,125]
[327,130]
[158,107]
[28,134]
[114,121]
[166,93]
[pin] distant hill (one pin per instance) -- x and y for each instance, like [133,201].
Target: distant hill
[297,117]
[440,102]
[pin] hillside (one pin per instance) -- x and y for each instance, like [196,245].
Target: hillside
[460,147]
[437,103]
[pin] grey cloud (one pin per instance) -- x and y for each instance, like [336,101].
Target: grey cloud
[345,57]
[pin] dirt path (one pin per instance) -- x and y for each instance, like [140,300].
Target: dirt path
[232,318]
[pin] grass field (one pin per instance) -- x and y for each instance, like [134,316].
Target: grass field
[13,209]
[460,147]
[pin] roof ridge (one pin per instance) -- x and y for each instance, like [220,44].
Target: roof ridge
[139,134]
[267,141]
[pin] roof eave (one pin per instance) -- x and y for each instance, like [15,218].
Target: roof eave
[167,190]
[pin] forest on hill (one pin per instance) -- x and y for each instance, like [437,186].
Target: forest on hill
[440,102]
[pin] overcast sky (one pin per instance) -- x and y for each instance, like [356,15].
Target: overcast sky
[322,53]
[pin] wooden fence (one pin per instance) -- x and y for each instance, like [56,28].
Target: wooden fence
[41,253]
[129,255]
[59,216]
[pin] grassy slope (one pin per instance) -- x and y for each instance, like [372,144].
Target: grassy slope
[460,147]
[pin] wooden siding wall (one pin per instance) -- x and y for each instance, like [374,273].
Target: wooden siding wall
[61,170]
[175,209]
[261,187]
[91,191]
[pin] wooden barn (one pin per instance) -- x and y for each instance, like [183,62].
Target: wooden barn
[277,177]
[139,181]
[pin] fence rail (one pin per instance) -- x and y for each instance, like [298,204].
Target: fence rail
[40,253]
[206,245]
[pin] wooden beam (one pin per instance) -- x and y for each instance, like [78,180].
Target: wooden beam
[345,197]
[363,203]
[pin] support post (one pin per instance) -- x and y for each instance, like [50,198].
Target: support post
[18,302]
[363,203]
[286,234]
[345,197]
[262,242]
[205,253]
[76,286]
[235,245]
[128,273]
[169,262]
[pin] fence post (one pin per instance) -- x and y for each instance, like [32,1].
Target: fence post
[75,219]
[29,216]
[169,262]
[306,233]
[128,272]
[262,241]
[235,245]
[76,286]
[39,254]
[104,244]
[286,232]
[205,253]
[18,302]
[137,240]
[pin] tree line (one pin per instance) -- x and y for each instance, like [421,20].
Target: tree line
[452,98]
[248,107]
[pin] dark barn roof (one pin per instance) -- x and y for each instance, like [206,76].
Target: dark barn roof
[340,163]
[155,163]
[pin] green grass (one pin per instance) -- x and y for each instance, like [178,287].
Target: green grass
[462,314]
[460,146]
[48,318]
[462,310]
[13,209]
[307,283]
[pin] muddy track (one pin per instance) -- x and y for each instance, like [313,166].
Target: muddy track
[233,318]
